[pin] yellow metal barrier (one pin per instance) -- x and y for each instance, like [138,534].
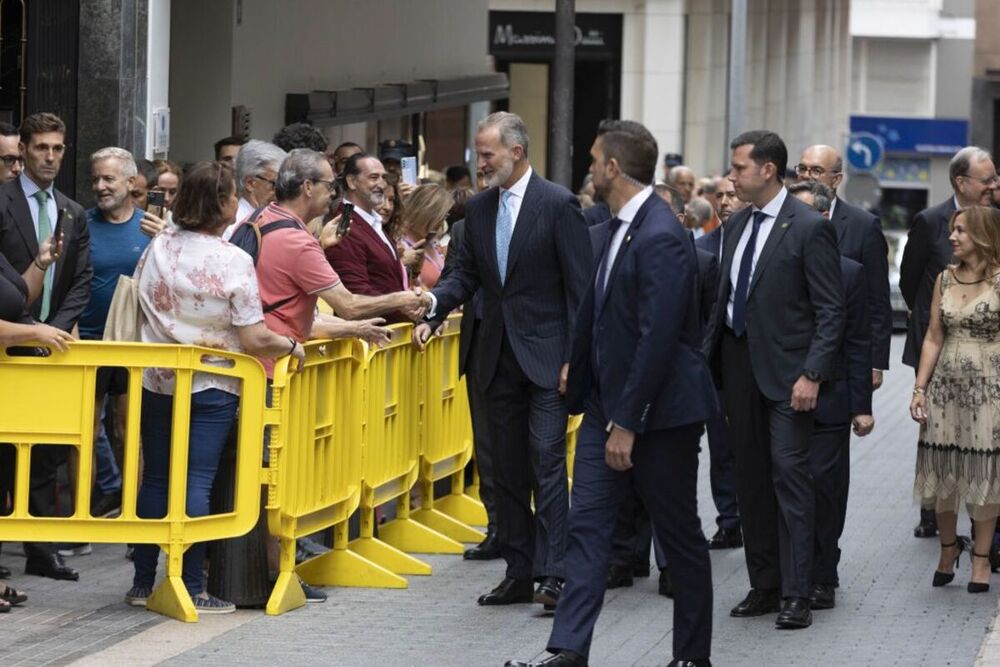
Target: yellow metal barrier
[314,473]
[53,404]
[389,461]
[445,439]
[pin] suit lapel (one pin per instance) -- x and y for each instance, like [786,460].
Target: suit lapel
[524,226]
[68,230]
[17,205]
[778,230]
[731,238]
[490,223]
[633,228]
[840,222]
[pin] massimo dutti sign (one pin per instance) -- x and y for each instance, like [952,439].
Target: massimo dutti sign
[533,33]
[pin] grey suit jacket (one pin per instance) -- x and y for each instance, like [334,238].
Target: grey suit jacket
[795,304]
[534,307]
[19,244]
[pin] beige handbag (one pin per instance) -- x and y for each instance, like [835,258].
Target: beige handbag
[124,323]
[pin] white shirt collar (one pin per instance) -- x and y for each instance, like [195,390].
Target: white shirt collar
[833,206]
[958,207]
[373,218]
[773,207]
[632,206]
[520,186]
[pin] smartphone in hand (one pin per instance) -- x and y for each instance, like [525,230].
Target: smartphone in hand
[155,203]
[344,225]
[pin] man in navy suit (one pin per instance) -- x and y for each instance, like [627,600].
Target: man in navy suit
[639,373]
[846,402]
[526,247]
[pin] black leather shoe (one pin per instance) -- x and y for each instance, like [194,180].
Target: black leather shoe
[510,591]
[794,615]
[822,596]
[106,506]
[691,663]
[548,591]
[4,572]
[51,566]
[666,584]
[619,576]
[641,569]
[488,549]
[927,526]
[560,659]
[757,603]
[726,538]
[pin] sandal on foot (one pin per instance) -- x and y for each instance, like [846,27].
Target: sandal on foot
[12,596]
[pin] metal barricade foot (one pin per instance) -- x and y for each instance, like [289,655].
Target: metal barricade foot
[287,594]
[412,537]
[472,490]
[389,557]
[462,507]
[172,599]
[446,525]
[342,567]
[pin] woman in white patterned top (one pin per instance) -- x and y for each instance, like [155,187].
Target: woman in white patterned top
[195,288]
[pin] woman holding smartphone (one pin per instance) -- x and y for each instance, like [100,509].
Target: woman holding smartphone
[197,289]
[956,398]
[423,224]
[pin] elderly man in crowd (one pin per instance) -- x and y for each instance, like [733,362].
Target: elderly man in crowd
[681,178]
[256,170]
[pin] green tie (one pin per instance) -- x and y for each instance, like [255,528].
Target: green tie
[44,231]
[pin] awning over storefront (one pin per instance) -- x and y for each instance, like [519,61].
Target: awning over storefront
[354,105]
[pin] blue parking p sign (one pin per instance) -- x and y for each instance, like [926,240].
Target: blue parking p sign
[864,151]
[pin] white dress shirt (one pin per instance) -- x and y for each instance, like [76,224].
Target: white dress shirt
[626,215]
[771,209]
[517,197]
[30,188]
[833,206]
[374,220]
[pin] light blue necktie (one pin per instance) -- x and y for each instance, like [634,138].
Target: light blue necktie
[505,229]
[44,231]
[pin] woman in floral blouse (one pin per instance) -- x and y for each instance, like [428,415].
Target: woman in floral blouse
[956,398]
[197,289]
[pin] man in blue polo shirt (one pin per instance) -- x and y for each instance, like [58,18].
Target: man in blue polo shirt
[117,241]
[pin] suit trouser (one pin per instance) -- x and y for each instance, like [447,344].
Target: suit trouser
[633,532]
[45,462]
[665,470]
[528,442]
[830,463]
[722,474]
[773,483]
[478,408]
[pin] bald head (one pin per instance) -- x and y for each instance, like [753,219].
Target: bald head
[823,164]
[682,178]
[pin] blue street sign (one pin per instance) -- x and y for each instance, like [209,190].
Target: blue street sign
[915,136]
[864,151]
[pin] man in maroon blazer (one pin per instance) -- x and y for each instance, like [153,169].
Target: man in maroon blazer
[367,260]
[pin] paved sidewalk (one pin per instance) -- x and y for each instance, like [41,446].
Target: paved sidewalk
[887,612]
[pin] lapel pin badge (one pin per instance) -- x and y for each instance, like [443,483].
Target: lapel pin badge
[784,225]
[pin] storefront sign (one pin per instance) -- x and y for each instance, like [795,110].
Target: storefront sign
[523,33]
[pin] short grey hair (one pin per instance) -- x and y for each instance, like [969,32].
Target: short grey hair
[963,159]
[123,156]
[513,131]
[822,194]
[301,165]
[675,172]
[697,212]
[255,158]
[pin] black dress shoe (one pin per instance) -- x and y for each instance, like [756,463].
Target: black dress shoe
[726,538]
[705,662]
[794,615]
[510,591]
[4,572]
[822,596]
[619,576]
[641,569]
[927,526]
[548,591]
[560,659]
[51,566]
[666,588]
[757,603]
[488,549]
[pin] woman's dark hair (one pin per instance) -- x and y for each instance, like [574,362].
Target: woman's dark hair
[200,198]
[393,227]
[299,135]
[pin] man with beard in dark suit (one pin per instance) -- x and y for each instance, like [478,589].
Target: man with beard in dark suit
[973,180]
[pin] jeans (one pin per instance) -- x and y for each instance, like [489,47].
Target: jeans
[109,477]
[213,413]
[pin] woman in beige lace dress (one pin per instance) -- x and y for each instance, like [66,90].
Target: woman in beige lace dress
[956,398]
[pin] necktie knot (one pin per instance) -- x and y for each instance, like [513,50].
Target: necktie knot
[614,224]
[41,196]
[505,197]
[759,217]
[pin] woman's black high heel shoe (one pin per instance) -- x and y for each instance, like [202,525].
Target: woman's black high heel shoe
[975,587]
[942,578]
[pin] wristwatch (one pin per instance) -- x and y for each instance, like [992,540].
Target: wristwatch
[812,376]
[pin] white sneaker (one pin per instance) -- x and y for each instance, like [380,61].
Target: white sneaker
[68,550]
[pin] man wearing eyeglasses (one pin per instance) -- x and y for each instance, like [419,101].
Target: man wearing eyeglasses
[973,179]
[11,162]
[860,238]
[256,167]
[30,207]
